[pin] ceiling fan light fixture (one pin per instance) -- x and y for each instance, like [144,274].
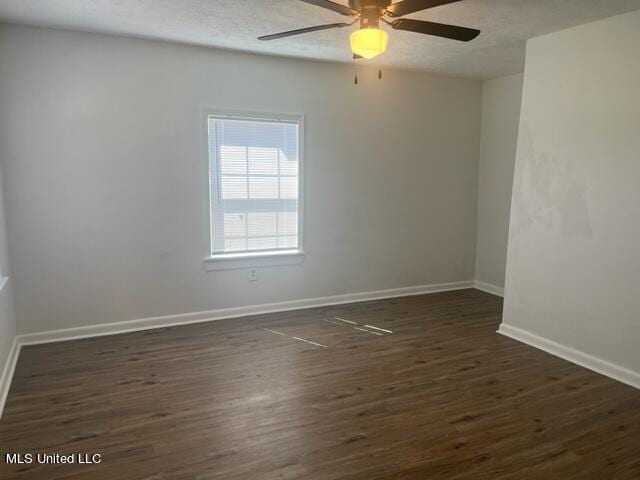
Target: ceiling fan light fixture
[368,42]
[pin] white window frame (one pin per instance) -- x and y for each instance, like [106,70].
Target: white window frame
[225,261]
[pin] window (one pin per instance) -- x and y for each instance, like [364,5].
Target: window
[254,185]
[3,280]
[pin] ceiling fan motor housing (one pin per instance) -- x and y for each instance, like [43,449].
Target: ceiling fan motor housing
[370,11]
[370,17]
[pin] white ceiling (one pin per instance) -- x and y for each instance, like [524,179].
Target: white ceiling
[235,24]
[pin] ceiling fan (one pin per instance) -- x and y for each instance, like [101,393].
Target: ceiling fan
[370,41]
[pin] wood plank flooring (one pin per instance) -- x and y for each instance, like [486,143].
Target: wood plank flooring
[441,397]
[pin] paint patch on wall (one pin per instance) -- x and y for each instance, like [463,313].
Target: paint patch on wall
[549,192]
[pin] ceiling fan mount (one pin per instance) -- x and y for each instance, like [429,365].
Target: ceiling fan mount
[369,40]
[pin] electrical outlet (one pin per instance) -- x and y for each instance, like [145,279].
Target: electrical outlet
[253,275]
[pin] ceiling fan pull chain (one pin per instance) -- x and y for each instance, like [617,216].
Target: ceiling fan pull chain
[380,66]
[355,79]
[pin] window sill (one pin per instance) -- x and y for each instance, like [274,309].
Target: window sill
[230,261]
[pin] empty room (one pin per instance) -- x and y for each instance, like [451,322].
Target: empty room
[313,239]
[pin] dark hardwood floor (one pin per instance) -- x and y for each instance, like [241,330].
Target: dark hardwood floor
[442,397]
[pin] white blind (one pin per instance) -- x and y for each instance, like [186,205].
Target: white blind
[253,178]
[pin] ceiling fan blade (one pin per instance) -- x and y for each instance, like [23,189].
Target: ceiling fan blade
[336,7]
[436,29]
[290,33]
[409,6]
[356,56]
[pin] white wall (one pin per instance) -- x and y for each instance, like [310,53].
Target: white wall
[501,99]
[573,267]
[101,142]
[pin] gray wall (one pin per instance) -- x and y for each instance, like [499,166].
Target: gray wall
[501,99]
[573,263]
[101,141]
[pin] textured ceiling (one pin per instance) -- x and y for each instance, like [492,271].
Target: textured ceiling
[235,24]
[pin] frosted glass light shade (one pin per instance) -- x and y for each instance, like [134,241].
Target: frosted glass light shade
[368,42]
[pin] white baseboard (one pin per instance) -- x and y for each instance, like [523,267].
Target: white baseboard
[578,357]
[224,313]
[7,372]
[489,288]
